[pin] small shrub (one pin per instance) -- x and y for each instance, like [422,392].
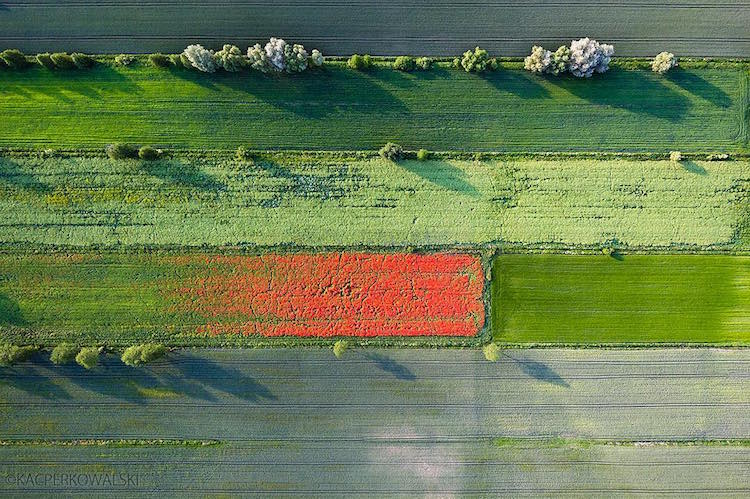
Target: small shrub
[560,61]
[231,59]
[316,58]
[475,61]
[159,60]
[243,154]
[148,153]
[82,61]
[176,60]
[12,354]
[663,62]
[118,150]
[124,60]
[64,353]
[359,62]
[717,157]
[340,347]
[143,354]
[88,357]
[608,251]
[491,352]
[675,156]
[45,60]
[423,154]
[197,57]
[391,151]
[423,63]
[14,58]
[493,65]
[63,60]
[404,63]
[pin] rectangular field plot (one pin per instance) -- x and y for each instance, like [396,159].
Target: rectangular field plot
[625,299]
[326,201]
[198,298]
[505,110]
[435,27]
[372,468]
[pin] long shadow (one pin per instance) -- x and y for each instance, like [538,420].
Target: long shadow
[10,312]
[541,371]
[519,83]
[221,378]
[11,173]
[313,95]
[389,365]
[442,174]
[693,167]
[32,381]
[700,87]
[182,173]
[639,92]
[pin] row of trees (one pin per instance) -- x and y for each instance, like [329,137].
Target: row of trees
[277,56]
[582,59]
[15,59]
[87,357]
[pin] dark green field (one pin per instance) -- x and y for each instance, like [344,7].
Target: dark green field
[621,299]
[386,27]
[442,109]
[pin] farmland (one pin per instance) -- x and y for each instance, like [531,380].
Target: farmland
[404,421]
[337,108]
[625,299]
[210,299]
[687,27]
[327,201]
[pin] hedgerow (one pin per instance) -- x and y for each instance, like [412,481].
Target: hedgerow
[64,353]
[14,58]
[137,355]
[13,354]
[88,357]
[63,60]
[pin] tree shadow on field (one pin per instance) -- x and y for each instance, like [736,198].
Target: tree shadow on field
[639,92]
[389,365]
[540,371]
[693,167]
[519,83]
[213,375]
[33,381]
[11,173]
[442,174]
[10,312]
[314,94]
[699,87]
[182,173]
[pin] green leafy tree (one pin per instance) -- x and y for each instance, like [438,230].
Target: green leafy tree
[159,60]
[63,60]
[423,154]
[424,63]
[404,63]
[12,354]
[14,58]
[391,151]
[340,347]
[137,355]
[119,150]
[82,61]
[64,353]
[359,62]
[148,153]
[475,61]
[231,58]
[45,60]
[491,352]
[88,357]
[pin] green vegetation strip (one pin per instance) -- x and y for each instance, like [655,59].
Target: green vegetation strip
[565,299]
[507,110]
[345,200]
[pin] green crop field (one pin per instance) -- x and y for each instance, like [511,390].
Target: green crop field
[621,299]
[327,201]
[436,27]
[336,108]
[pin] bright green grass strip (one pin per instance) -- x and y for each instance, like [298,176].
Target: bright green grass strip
[507,110]
[316,202]
[628,299]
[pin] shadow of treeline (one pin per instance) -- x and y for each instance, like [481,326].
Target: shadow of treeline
[442,174]
[11,173]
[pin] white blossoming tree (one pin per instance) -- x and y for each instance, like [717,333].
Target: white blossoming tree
[279,56]
[588,56]
[199,58]
[316,58]
[539,60]
[663,62]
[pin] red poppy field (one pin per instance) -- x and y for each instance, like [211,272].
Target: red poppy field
[337,294]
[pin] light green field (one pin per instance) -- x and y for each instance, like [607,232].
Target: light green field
[621,299]
[506,110]
[315,202]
